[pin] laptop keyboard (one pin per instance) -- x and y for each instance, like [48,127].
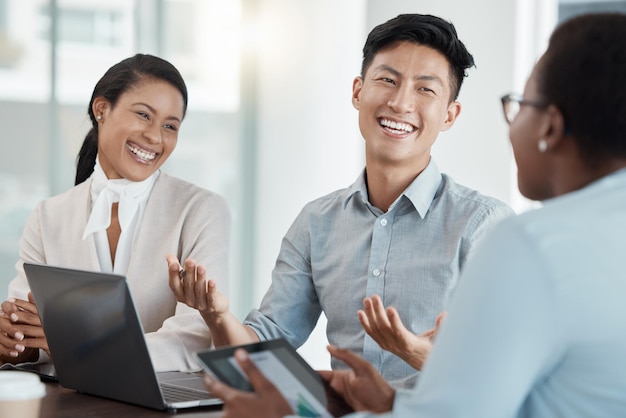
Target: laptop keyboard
[173,393]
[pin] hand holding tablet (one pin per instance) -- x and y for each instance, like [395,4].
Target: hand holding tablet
[301,386]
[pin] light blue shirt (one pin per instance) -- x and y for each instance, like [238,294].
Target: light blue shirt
[537,327]
[341,249]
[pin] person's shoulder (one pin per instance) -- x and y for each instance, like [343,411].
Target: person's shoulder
[179,192]
[330,201]
[68,197]
[323,210]
[469,196]
[183,188]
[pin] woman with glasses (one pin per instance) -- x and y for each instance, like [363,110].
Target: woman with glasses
[537,327]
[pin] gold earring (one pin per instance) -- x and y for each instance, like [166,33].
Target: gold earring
[542,145]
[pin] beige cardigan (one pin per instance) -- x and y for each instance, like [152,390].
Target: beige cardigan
[179,218]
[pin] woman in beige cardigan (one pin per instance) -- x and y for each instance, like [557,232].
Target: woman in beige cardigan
[124,216]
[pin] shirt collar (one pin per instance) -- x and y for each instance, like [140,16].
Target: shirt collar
[359,187]
[420,192]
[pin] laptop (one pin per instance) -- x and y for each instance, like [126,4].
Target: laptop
[97,341]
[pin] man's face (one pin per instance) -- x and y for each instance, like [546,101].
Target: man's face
[403,103]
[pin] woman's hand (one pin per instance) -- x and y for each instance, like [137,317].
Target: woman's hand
[21,334]
[362,386]
[265,402]
[191,286]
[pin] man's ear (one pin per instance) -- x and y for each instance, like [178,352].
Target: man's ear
[453,112]
[357,85]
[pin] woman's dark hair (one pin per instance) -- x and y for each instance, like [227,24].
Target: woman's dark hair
[583,73]
[116,81]
[426,30]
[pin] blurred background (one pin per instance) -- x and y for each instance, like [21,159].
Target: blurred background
[270,124]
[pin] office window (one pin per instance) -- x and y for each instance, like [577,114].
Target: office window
[571,8]
[9,50]
[182,38]
[83,26]
[3,15]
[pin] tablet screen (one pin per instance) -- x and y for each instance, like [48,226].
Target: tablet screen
[302,386]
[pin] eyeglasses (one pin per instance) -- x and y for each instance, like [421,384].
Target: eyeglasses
[512,103]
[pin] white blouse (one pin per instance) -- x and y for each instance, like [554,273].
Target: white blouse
[132,197]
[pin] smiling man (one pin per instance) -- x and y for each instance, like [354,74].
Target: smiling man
[397,237]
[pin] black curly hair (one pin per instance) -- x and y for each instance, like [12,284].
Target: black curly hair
[583,73]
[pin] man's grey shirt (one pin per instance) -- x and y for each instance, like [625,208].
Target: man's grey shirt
[341,249]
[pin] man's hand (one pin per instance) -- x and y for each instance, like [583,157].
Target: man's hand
[21,334]
[363,388]
[191,286]
[386,328]
[265,402]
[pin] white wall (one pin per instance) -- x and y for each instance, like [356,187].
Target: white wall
[308,138]
[309,143]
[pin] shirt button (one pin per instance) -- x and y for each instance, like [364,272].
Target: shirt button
[383,222]
[376,272]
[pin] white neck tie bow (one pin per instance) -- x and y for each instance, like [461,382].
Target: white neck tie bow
[105,192]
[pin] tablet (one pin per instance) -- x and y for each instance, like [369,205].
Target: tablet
[302,386]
